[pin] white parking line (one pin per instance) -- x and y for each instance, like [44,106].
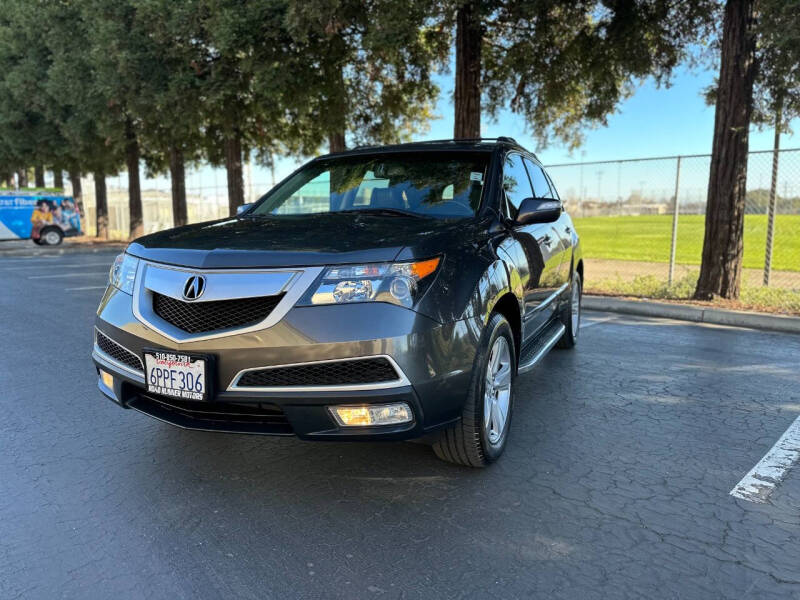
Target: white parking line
[762,479]
[27,258]
[586,324]
[57,266]
[86,287]
[57,275]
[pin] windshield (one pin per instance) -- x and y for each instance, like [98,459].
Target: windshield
[429,184]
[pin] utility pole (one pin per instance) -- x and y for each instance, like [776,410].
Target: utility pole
[599,184]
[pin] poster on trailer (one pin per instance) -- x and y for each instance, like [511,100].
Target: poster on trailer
[28,215]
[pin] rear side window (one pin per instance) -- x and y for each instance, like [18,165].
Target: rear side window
[541,187]
[516,184]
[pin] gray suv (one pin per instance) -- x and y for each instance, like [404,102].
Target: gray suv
[382,293]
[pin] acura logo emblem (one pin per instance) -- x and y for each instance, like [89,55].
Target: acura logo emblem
[194,287]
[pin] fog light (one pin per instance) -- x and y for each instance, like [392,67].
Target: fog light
[372,414]
[107,379]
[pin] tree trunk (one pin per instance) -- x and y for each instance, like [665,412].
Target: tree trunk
[38,176]
[22,178]
[721,269]
[336,142]
[773,190]
[337,103]
[77,190]
[134,186]
[233,166]
[58,177]
[469,35]
[101,205]
[177,174]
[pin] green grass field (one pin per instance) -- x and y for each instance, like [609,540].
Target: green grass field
[647,238]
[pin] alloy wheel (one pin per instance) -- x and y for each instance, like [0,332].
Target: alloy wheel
[497,395]
[575,301]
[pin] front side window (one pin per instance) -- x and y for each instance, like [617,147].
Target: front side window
[516,184]
[438,185]
[541,188]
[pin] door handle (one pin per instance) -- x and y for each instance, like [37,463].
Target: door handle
[568,229]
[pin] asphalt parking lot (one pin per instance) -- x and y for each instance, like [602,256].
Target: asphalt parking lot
[616,482]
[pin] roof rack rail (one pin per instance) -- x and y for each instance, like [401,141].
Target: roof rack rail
[502,138]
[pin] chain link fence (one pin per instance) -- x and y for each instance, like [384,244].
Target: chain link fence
[642,223]
[203,203]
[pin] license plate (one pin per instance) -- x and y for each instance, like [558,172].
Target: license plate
[176,375]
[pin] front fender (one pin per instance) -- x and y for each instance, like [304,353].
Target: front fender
[494,283]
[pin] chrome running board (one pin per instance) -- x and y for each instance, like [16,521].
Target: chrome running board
[535,352]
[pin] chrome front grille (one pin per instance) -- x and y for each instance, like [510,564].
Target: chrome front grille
[202,317]
[231,301]
[117,352]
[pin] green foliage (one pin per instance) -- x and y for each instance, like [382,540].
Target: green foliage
[280,76]
[27,134]
[777,85]
[75,107]
[566,65]
[369,66]
[778,79]
[143,54]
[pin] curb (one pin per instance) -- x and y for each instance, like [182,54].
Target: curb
[696,314]
[33,250]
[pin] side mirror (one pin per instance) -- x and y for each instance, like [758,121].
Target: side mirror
[538,210]
[244,208]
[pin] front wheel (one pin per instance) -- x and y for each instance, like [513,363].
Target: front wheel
[571,317]
[481,435]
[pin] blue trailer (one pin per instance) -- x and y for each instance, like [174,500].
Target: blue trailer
[44,217]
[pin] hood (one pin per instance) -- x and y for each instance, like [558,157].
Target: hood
[291,241]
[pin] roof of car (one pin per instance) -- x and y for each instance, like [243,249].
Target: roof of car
[486,144]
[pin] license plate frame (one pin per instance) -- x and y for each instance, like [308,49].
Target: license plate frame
[186,362]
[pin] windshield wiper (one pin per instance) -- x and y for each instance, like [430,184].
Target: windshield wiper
[396,212]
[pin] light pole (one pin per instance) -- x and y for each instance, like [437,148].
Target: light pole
[599,184]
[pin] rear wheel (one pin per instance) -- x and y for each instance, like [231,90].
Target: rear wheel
[571,317]
[481,435]
[51,237]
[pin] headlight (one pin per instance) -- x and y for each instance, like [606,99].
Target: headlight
[398,283]
[123,273]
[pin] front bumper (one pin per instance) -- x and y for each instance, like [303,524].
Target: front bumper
[435,362]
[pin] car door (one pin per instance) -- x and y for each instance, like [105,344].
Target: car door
[543,188]
[533,249]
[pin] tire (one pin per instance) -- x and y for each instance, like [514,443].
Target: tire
[571,316]
[52,236]
[473,442]
[37,241]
